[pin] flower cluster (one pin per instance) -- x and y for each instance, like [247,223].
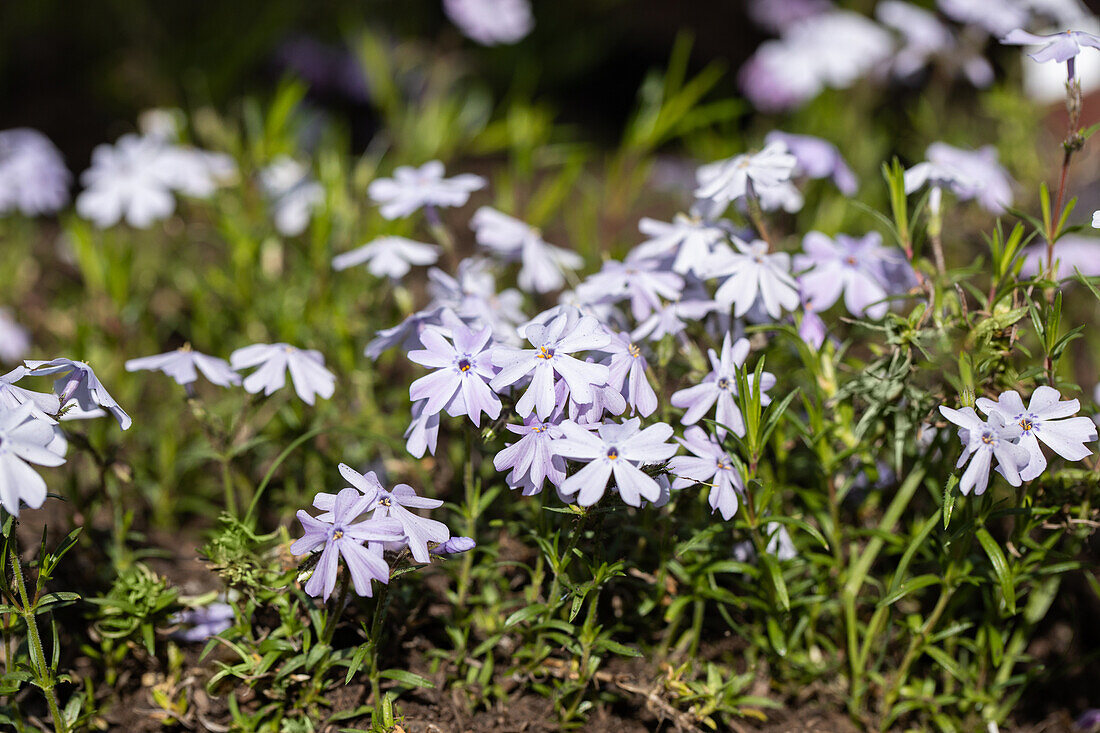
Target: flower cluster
[363,521]
[1011,433]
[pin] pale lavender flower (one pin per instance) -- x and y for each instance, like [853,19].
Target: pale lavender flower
[411,189]
[830,49]
[530,458]
[463,367]
[491,22]
[734,178]
[982,441]
[780,76]
[390,257]
[642,282]
[454,546]
[25,440]
[343,537]
[780,543]
[543,266]
[42,406]
[817,158]
[615,449]
[1007,14]
[15,341]
[1058,47]
[777,15]
[849,265]
[626,374]
[307,370]
[203,622]
[687,240]
[1096,220]
[127,180]
[473,296]
[672,318]
[720,386]
[969,174]
[77,382]
[549,357]
[33,176]
[811,329]
[1089,721]
[606,399]
[418,530]
[1048,419]
[406,333]
[1072,253]
[293,194]
[710,465]
[754,273]
[423,431]
[193,172]
[926,38]
[183,365]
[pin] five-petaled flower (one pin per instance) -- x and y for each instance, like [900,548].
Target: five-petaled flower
[553,344]
[307,370]
[343,537]
[1047,418]
[463,366]
[615,449]
[984,440]
[711,465]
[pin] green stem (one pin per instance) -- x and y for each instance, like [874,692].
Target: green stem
[341,604]
[38,654]
[380,606]
[915,647]
[473,508]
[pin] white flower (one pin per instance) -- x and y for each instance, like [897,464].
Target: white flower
[1047,418]
[293,194]
[25,440]
[181,365]
[1096,220]
[127,180]
[613,450]
[491,22]
[982,441]
[307,370]
[414,188]
[543,265]
[754,273]
[196,173]
[14,339]
[688,240]
[33,177]
[830,49]
[42,405]
[391,257]
[77,382]
[729,180]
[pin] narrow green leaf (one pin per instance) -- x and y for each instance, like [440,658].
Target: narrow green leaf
[1000,567]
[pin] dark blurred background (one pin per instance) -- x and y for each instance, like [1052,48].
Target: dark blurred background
[81,72]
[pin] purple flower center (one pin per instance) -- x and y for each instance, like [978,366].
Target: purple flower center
[1027,425]
[723,383]
[337,534]
[633,350]
[464,365]
[988,438]
[385,501]
[851,261]
[545,353]
[612,453]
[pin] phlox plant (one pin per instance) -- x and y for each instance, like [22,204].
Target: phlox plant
[810,424]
